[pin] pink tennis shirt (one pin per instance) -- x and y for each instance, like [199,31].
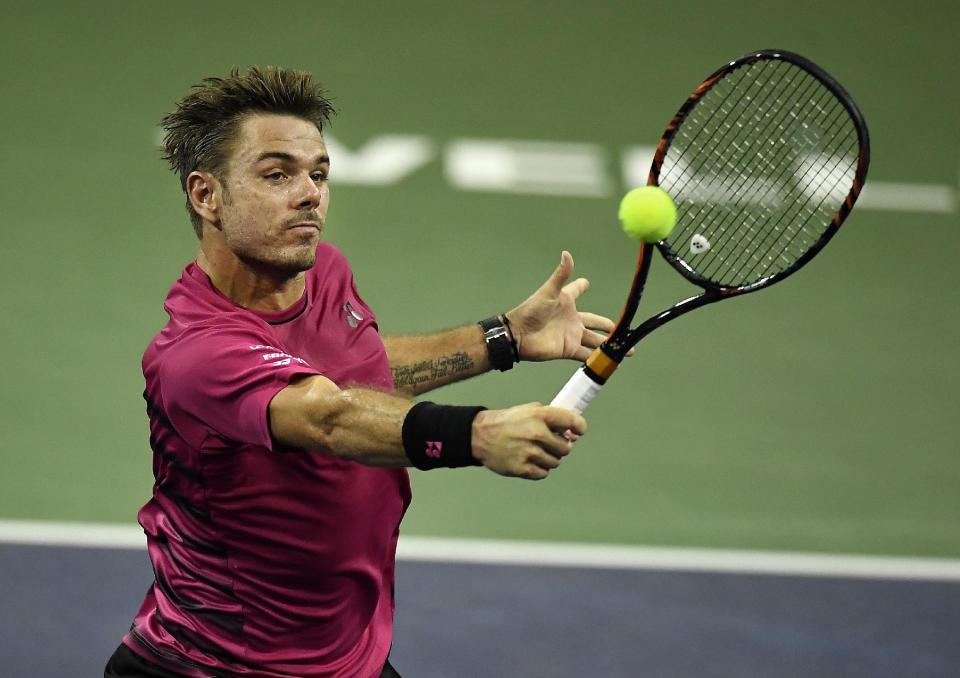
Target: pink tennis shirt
[269,562]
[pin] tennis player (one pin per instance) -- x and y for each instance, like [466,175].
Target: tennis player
[281,422]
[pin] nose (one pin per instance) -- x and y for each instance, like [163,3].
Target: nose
[309,194]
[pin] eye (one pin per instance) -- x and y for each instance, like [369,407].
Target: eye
[318,177]
[275,176]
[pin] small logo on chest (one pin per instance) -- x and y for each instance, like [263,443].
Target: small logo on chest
[351,315]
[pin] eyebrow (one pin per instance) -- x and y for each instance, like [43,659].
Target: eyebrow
[286,157]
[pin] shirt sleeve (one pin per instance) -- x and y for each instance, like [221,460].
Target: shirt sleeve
[221,380]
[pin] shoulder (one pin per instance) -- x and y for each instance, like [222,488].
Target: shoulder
[203,329]
[207,344]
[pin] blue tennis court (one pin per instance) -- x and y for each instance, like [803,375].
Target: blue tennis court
[457,619]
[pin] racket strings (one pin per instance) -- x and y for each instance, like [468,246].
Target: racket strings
[793,221]
[822,208]
[749,187]
[800,224]
[732,86]
[759,192]
[759,167]
[745,188]
[726,122]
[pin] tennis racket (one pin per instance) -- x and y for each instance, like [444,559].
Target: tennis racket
[764,161]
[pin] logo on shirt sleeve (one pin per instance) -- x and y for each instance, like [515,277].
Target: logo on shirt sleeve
[351,315]
[279,358]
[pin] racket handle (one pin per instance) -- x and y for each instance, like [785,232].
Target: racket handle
[577,393]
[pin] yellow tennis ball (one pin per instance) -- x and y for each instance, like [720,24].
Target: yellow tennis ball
[648,213]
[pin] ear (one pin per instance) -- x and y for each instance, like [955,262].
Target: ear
[206,196]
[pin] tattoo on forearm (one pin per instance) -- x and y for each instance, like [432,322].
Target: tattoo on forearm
[431,370]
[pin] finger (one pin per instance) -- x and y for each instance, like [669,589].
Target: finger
[533,472]
[577,287]
[582,354]
[545,460]
[554,444]
[560,274]
[596,322]
[592,339]
[561,419]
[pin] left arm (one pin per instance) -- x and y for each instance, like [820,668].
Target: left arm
[421,364]
[546,326]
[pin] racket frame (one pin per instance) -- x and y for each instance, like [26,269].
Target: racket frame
[604,361]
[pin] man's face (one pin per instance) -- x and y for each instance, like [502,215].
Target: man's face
[276,194]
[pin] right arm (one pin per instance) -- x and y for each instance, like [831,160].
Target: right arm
[365,426]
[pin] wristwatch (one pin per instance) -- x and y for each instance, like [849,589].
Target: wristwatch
[500,343]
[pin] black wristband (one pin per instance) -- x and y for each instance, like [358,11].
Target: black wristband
[500,342]
[439,436]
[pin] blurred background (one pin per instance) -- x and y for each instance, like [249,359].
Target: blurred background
[818,416]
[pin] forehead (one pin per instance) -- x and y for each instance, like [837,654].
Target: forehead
[260,133]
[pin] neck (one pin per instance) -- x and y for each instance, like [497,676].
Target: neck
[248,285]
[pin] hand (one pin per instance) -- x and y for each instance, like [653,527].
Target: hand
[548,326]
[523,441]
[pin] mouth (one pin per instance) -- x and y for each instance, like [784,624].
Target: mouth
[306,227]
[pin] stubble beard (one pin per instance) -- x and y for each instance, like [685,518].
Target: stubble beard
[263,252]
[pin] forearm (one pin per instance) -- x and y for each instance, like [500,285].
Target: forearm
[377,429]
[422,363]
[360,424]
[380,429]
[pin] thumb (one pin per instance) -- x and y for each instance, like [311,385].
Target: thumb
[561,273]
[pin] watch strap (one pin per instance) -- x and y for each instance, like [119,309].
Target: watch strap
[500,343]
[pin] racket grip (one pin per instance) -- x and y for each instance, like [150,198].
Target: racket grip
[577,393]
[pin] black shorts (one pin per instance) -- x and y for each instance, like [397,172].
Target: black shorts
[125,663]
